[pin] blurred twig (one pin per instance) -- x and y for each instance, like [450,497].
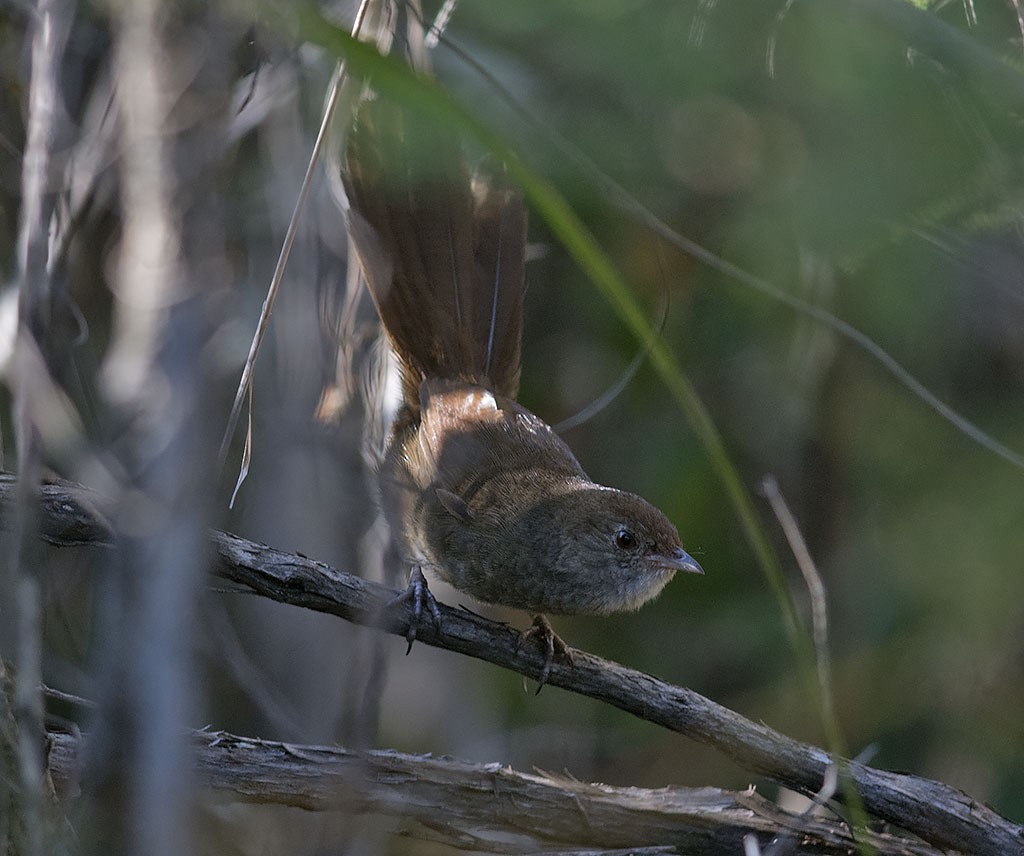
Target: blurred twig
[493,808]
[938,813]
[816,589]
[50,26]
[245,382]
[819,624]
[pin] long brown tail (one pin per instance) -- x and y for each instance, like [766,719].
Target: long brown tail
[443,255]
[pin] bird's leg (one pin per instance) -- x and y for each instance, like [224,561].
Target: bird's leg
[551,645]
[419,595]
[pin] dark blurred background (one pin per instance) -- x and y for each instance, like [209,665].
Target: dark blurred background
[863,156]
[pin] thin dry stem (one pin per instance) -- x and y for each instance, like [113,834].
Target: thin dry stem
[50,28]
[245,382]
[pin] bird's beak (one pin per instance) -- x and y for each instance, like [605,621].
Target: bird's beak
[677,560]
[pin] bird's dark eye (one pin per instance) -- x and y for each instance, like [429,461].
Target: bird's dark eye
[625,540]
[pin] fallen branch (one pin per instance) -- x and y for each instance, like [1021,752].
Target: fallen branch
[492,808]
[941,815]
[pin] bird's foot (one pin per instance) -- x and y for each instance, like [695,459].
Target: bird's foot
[551,645]
[419,595]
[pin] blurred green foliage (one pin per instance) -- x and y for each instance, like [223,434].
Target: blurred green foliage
[866,159]
[863,156]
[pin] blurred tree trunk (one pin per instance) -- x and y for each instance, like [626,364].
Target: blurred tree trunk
[172,95]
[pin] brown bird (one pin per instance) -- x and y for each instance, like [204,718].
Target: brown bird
[475,487]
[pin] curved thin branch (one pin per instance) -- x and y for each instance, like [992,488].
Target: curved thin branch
[938,813]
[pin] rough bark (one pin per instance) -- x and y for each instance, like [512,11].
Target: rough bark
[492,808]
[941,815]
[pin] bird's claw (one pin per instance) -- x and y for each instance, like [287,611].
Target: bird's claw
[419,595]
[551,645]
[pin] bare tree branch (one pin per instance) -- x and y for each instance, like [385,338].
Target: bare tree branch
[493,808]
[938,813]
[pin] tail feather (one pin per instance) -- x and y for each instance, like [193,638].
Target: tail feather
[443,258]
[500,260]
